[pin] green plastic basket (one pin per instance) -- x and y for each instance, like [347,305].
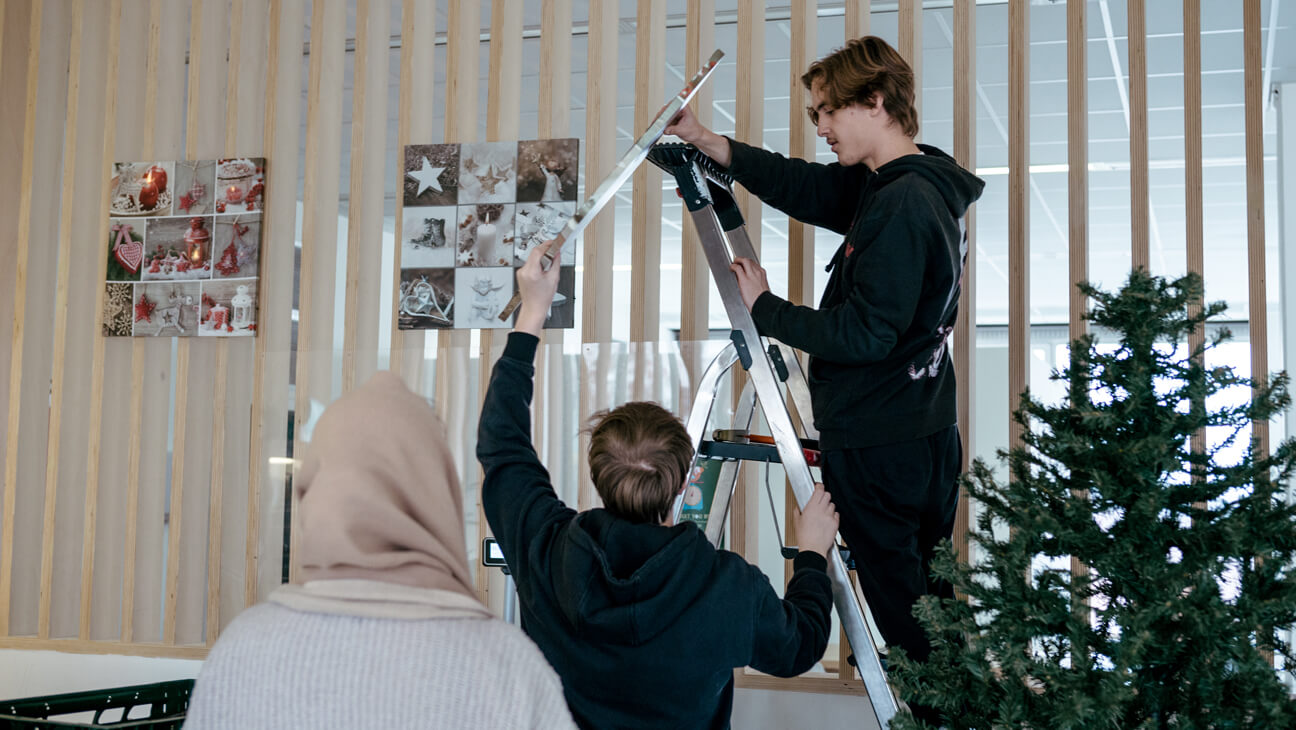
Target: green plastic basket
[155,706]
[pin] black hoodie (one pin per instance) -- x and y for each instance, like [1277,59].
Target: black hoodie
[643,623]
[879,369]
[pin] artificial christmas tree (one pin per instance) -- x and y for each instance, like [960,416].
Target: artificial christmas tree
[1137,584]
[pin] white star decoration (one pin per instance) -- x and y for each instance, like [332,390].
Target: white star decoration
[427,177]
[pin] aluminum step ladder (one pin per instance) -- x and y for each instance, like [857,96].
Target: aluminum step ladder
[707,194]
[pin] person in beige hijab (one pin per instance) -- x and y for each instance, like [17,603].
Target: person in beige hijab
[384,629]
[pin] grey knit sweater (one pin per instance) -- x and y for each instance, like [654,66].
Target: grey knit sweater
[276,667]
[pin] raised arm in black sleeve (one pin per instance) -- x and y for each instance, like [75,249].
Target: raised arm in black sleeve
[517,496]
[821,195]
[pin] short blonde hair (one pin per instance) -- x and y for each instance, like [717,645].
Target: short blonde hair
[864,67]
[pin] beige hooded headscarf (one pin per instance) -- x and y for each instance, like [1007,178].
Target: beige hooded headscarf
[378,494]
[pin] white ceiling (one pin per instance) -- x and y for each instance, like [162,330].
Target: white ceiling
[1222,121]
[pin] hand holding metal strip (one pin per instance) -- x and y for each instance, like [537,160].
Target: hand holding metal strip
[624,168]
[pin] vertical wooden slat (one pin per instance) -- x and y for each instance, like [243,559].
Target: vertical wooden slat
[695,293]
[1018,208]
[553,120]
[463,32]
[801,237]
[1138,129]
[270,379]
[89,520]
[645,228]
[12,72]
[801,144]
[749,128]
[60,333]
[857,18]
[600,156]
[22,248]
[965,327]
[151,358]
[413,125]
[1193,234]
[364,234]
[503,109]
[1258,301]
[1078,197]
[909,22]
[245,137]
[319,224]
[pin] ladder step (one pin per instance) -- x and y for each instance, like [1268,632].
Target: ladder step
[750,452]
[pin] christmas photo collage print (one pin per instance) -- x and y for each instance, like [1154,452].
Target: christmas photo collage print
[184,241]
[472,213]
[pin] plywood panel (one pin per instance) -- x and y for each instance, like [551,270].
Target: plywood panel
[1018,207]
[15,34]
[645,215]
[314,383]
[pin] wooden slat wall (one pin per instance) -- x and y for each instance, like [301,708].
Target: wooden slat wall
[1258,301]
[319,222]
[22,270]
[270,399]
[503,109]
[1078,185]
[413,125]
[749,127]
[1018,207]
[463,19]
[94,467]
[857,18]
[909,24]
[1193,234]
[597,241]
[1138,129]
[695,291]
[553,120]
[365,209]
[646,226]
[965,327]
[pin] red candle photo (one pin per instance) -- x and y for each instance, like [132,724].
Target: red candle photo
[148,194]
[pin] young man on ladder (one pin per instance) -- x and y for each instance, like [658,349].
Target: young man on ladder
[881,380]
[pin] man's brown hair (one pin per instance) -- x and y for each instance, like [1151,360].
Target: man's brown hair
[864,67]
[639,456]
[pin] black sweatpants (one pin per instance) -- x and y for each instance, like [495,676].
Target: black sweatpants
[896,502]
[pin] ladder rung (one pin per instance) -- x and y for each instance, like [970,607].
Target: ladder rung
[750,452]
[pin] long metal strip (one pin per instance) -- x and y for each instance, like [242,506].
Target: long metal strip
[768,393]
[628,163]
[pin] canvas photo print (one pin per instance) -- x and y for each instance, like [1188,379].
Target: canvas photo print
[431,175]
[426,299]
[547,170]
[471,214]
[429,237]
[176,229]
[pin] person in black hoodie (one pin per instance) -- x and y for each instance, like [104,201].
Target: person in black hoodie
[881,380]
[644,621]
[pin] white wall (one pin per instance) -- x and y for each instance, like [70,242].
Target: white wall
[26,673]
